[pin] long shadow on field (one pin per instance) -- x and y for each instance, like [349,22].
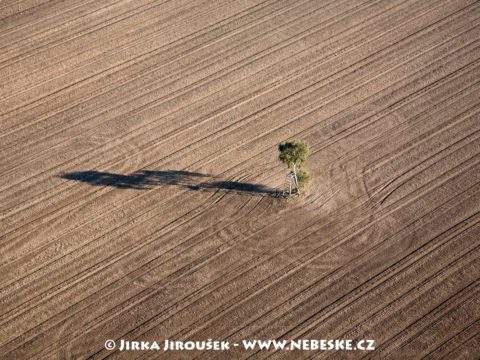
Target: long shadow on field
[146,179]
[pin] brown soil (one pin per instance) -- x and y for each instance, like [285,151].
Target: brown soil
[138,144]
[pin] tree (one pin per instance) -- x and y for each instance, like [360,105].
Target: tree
[294,153]
[304,179]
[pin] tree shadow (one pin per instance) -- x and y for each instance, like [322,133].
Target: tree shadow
[241,187]
[138,180]
[147,179]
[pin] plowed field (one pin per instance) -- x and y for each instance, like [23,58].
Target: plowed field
[139,176]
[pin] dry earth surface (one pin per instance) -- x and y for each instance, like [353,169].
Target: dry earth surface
[138,144]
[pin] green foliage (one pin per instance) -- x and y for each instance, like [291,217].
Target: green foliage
[304,179]
[293,152]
